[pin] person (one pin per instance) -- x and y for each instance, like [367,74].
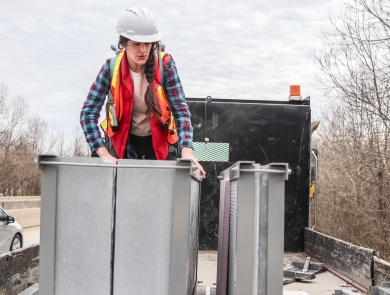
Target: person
[147,98]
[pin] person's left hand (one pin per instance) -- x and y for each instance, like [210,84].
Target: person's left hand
[186,153]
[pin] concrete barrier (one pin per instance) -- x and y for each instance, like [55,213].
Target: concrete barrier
[20,197]
[25,209]
[20,204]
[26,217]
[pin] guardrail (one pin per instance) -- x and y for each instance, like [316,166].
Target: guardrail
[26,209]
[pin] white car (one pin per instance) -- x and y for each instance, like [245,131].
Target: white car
[10,233]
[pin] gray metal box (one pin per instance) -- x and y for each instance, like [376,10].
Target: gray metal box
[125,229]
[251,229]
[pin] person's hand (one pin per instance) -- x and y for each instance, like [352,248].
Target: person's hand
[105,155]
[186,153]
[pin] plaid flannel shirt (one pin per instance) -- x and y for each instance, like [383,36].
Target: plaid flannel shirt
[174,92]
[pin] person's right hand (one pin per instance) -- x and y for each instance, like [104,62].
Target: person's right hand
[105,155]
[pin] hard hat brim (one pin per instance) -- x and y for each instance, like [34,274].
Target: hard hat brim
[143,38]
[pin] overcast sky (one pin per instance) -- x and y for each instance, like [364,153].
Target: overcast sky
[51,51]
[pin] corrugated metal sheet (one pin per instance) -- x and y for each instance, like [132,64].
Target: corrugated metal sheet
[193,236]
[233,239]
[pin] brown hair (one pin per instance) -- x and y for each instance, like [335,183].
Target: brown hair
[149,70]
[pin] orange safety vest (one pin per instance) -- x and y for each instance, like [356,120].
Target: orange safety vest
[163,133]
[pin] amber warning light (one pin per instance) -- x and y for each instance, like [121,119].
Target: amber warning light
[295,92]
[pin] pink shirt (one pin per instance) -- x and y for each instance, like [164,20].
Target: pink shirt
[140,125]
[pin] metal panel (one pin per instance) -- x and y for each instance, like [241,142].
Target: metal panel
[180,236]
[125,229]
[143,230]
[83,229]
[81,239]
[247,232]
[233,239]
[275,232]
[193,237]
[256,228]
[156,238]
[48,226]
[223,238]
[263,233]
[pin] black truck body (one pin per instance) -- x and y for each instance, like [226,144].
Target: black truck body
[261,131]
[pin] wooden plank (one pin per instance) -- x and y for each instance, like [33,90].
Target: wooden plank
[18,268]
[381,271]
[352,261]
[288,280]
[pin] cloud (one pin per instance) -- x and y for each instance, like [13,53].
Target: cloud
[52,51]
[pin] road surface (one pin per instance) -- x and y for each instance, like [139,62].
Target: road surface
[31,236]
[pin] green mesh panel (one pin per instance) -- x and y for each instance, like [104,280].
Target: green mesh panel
[211,151]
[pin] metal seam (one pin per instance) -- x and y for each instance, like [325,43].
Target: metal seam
[263,170]
[111,166]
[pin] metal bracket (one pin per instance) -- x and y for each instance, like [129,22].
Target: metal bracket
[194,171]
[306,266]
[346,292]
[303,270]
[288,273]
[234,170]
[40,158]
[285,166]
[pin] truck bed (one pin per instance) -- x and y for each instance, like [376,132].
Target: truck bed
[324,284]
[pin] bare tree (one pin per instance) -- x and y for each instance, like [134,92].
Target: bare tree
[354,61]
[22,137]
[13,119]
[354,68]
[37,135]
[78,145]
[354,179]
[60,147]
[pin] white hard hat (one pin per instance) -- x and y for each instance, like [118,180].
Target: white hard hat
[138,24]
